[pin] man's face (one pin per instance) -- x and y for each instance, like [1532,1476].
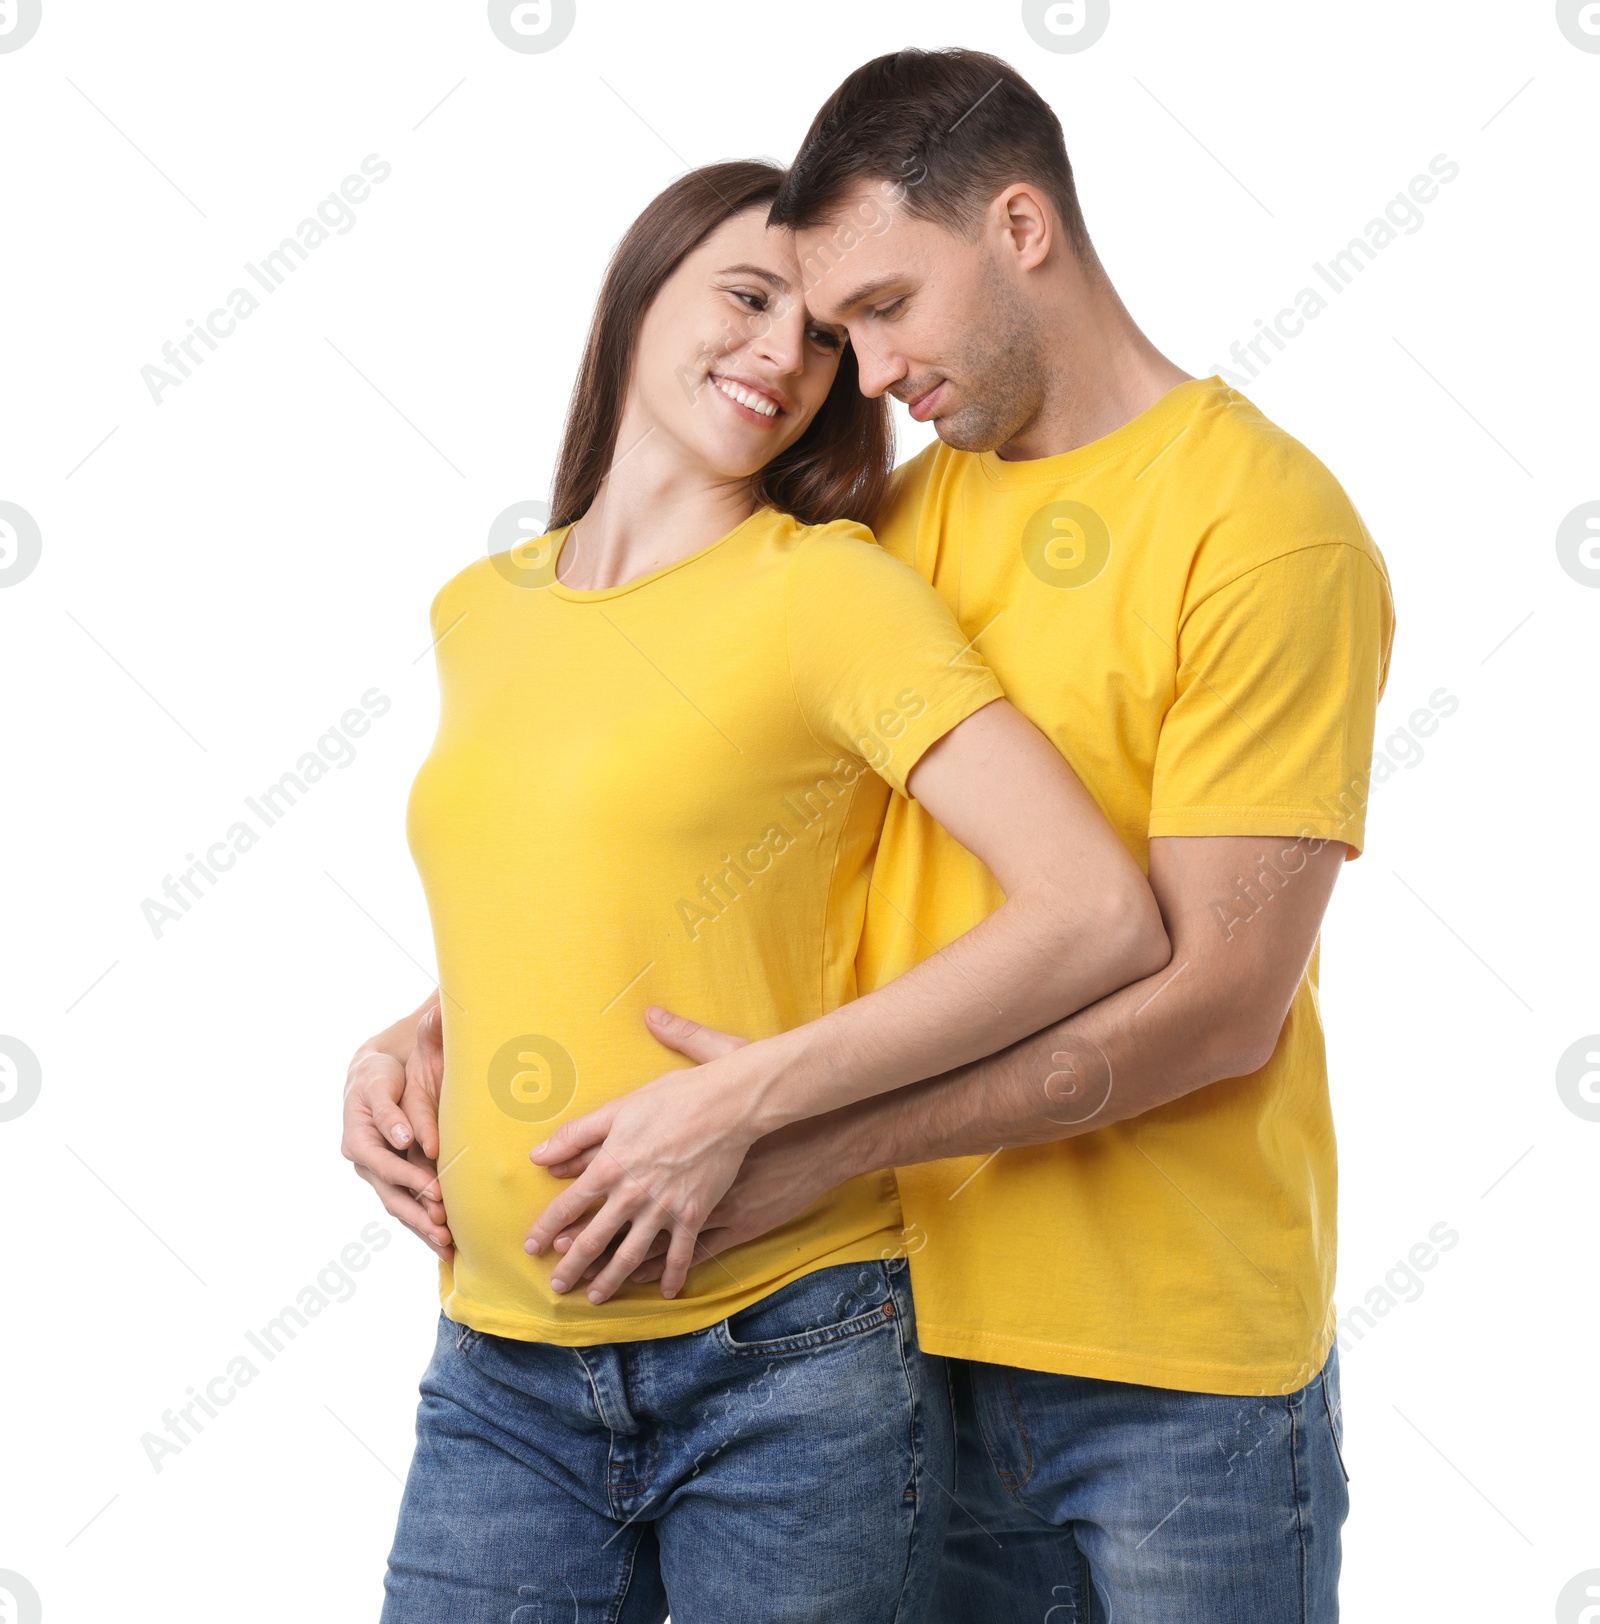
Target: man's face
[937,320]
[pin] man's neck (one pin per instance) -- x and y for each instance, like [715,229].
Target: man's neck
[1102,370]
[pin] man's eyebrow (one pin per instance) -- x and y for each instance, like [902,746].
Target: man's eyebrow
[866,292]
[771,278]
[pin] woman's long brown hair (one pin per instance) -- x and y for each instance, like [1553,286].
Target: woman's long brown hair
[838,469]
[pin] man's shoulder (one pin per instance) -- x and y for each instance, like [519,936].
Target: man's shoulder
[1218,482]
[1270,493]
[912,486]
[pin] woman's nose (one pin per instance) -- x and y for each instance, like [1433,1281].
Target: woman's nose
[781,339]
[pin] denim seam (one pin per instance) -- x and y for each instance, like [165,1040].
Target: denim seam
[805,1341]
[1027,1442]
[1295,1431]
[626,1482]
[955,1439]
[1085,1585]
[912,1433]
[1327,1407]
[611,1434]
[626,1368]
[619,1600]
[600,1414]
[627,1355]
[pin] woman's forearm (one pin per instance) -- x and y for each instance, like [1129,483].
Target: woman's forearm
[1216,1012]
[1037,959]
[1079,921]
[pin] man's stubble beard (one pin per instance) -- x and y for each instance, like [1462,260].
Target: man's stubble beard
[1000,371]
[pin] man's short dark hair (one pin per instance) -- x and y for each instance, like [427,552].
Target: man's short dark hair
[947,129]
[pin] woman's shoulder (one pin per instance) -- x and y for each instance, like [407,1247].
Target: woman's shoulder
[529,563]
[463,589]
[838,573]
[839,555]
[814,549]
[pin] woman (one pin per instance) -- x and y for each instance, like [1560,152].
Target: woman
[668,733]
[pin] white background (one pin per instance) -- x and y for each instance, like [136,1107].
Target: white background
[231,569]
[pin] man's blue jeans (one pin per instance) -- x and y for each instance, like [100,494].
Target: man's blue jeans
[791,1463]
[1097,1502]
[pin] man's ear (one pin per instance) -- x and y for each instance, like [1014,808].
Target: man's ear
[1023,216]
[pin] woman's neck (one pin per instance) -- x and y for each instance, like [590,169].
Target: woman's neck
[652,510]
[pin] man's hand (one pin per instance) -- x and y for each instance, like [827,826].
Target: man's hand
[657,1160]
[391,1123]
[783,1174]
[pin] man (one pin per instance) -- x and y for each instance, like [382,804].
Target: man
[1121,1231]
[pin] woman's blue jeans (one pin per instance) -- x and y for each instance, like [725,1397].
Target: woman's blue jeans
[791,1463]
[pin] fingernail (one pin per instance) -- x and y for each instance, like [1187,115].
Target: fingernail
[655,1013]
[400,1134]
[531,1246]
[537,1148]
[596,1297]
[558,1285]
[561,1243]
[669,1293]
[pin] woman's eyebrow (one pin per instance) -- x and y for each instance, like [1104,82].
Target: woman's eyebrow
[771,278]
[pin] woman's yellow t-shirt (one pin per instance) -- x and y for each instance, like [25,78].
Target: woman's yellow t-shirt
[665,792]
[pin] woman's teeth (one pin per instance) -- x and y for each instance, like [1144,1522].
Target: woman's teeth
[745,397]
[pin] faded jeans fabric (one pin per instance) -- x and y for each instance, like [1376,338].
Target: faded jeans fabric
[791,1463]
[1097,1502]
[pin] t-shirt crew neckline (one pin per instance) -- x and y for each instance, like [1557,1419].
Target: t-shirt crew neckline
[575,594]
[1037,470]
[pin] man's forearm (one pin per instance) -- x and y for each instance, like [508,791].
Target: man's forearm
[1215,1012]
[397,1041]
[1117,1059]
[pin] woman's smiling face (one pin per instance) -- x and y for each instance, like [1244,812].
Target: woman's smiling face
[729,363]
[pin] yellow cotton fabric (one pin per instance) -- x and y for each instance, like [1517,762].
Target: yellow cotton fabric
[663,792]
[1195,614]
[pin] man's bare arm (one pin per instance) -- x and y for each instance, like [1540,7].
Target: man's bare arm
[1243,913]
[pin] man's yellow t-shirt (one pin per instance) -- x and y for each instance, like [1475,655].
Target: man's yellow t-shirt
[1192,610]
[663,792]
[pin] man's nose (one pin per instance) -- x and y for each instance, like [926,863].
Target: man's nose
[876,371]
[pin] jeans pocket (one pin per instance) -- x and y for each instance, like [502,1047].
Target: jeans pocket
[835,1304]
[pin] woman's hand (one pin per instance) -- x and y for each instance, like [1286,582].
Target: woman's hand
[659,1160]
[391,1124]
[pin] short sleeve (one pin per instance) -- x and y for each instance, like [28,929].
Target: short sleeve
[880,667]
[1279,675]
